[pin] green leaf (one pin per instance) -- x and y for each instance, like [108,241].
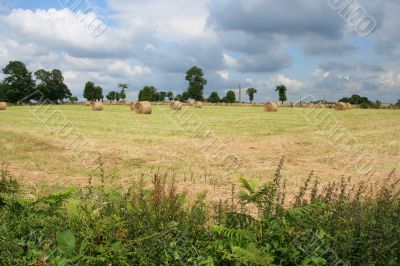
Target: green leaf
[245,184]
[66,242]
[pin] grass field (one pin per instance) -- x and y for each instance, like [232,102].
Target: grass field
[133,144]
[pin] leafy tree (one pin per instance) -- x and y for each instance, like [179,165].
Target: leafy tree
[117,96]
[73,99]
[51,85]
[60,87]
[178,97]
[3,92]
[161,96]
[281,89]
[122,95]
[89,91]
[98,93]
[148,93]
[356,99]
[250,92]
[230,97]
[18,84]
[170,95]
[111,96]
[398,104]
[196,79]
[123,87]
[185,96]
[92,92]
[214,97]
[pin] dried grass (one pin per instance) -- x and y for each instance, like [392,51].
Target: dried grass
[97,106]
[271,107]
[175,105]
[3,105]
[143,108]
[197,104]
[341,106]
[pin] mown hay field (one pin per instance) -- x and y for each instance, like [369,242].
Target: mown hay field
[36,146]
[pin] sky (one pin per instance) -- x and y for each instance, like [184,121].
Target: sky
[317,49]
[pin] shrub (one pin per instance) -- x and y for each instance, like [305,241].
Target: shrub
[334,224]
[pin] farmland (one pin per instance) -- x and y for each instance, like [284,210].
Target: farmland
[36,152]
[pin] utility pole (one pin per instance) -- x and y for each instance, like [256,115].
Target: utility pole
[240,94]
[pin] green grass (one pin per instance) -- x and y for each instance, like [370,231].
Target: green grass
[132,144]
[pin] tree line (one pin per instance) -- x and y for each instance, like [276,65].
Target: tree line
[195,91]
[20,86]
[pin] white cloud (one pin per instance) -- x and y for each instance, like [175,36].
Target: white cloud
[319,73]
[224,74]
[249,81]
[230,61]
[122,68]
[389,80]
[174,20]
[156,41]
[295,85]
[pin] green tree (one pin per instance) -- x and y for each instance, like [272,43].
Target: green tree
[73,99]
[93,92]
[57,82]
[178,97]
[89,91]
[3,92]
[214,97]
[398,104]
[170,95]
[230,97]
[122,95]
[18,84]
[161,96]
[196,79]
[356,99]
[51,85]
[250,92]
[111,96]
[185,96]
[117,96]
[148,93]
[98,93]
[123,87]
[281,89]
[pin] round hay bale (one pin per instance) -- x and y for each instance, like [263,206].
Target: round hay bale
[340,106]
[128,103]
[97,106]
[143,108]
[3,105]
[175,105]
[348,106]
[88,103]
[271,107]
[191,103]
[197,104]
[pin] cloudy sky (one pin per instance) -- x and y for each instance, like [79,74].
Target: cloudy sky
[310,46]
